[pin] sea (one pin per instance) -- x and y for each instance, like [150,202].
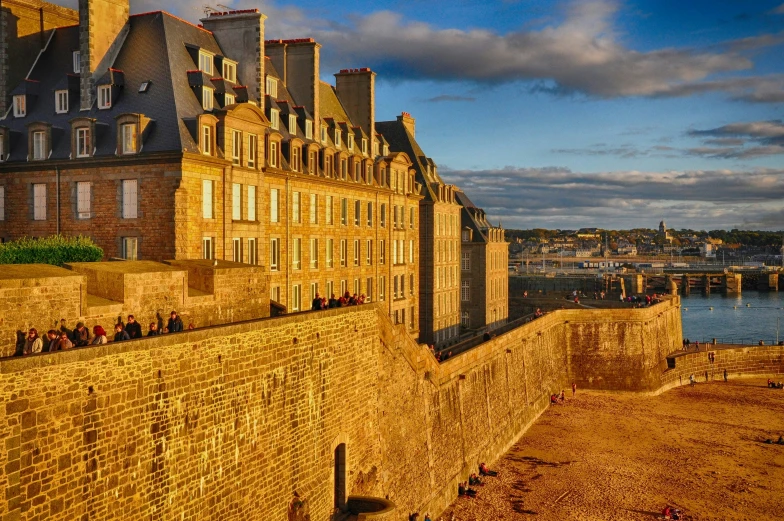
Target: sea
[734,319]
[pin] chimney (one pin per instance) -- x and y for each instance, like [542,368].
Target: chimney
[103,26]
[356,89]
[300,60]
[408,122]
[240,35]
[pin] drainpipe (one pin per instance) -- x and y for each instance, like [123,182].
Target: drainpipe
[223,239]
[57,192]
[288,248]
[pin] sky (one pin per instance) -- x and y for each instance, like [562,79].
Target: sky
[572,113]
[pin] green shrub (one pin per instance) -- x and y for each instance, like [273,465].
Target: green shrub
[55,250]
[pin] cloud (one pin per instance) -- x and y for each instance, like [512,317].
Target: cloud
[741,140]
[778,10]
[450,97]
[559,197]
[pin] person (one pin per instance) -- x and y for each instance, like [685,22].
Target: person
[34,343]
[562,398]
[697,345]
[81,335]
[99,336]
[725,375]
[191,326]
[21,338]
[175,323]
[574,389]
[473,479]
[484,471]
[486,336]
[120,334]
[52,338]
[65,342]
[333,302]
[780,440]
[133,328]
[316,304]
[427,517]
[153,329]
[362,299]
[553,399]
[165,331]
[64,327]
[691,379]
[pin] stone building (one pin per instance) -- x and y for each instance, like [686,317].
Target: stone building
[484,272]
[439,232]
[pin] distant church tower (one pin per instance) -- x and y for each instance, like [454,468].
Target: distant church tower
[663,228]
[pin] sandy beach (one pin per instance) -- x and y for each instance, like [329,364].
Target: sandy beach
[624,457]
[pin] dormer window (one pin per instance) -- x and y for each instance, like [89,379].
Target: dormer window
[61,101]
[292,124]
[105,97]
[205,62]
[229,99]
[129,138]
[375,148]
[2,147]
[323,134]
[39,145]
[207,98]
[308,129]
[351,142]
[77,62]
[364,146]
[274,119]
[229,71]
[272,87]
[83,148]
[273,154]
[206,140]
[20,106]
[386,150]
[338,138]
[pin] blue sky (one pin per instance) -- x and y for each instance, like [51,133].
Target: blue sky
[568,114]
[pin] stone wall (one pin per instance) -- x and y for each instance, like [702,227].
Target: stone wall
[737,361]
[233,421]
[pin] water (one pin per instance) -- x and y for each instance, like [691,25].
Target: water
[731,320]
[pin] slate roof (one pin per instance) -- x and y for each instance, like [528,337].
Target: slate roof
[473,217]
[156,50]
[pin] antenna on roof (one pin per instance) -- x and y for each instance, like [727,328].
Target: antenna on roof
[224,7]
[209,9]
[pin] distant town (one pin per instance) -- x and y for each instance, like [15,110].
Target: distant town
[597,246]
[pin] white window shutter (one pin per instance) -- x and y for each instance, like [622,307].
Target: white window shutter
[130,198]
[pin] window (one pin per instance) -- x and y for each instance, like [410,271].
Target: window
[313,209]
[2,203]
[350,141]
[343,252]
[275,293]
[375,148]
[83,142]
[394,251]
[369,248]
[272,87]
[313,290]
[357,289]
[395,290]
[394,217]
[130,248]
[411,218]
[39,145]
[312,166]
[105,97]
[207,248]
[207,98]
[129,138]
[144,86]
[357,212]
[296,297]
[253,251]
[356,252]
[206,140]
[274,205]
[313,253]
[329,205]
[368,289]
[465,261]
[273,154]
[370,214]
[357,171]
[330,288]
[253,145]
[364,146]
[323,134]
[229,71]
[296,214]
[327,165]
[343,168]
[411,285]
[382,251]
[330,252]
[411,251]
[274,254]
[20,106]
[296,262]
[236,147]
[383,215]
[292,124]
[83,199]
[343,286]
[343,211]
[228,99]
[466,235]
[382,287]
[338,138]
[236,248]
[205,62]
[296,164]
[308,129]
[252,204]
[274,119]
[77,62]
[465,291]
[236,201]
[465,319]
[61,101]
[2,149]
[207,199]
[130,198]
[39,202]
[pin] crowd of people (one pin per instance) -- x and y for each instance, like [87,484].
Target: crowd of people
[775,385]
[65,338]
[347,299]
[465,488]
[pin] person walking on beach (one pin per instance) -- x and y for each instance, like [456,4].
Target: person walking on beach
[725,375]
[691,379]
[574,389]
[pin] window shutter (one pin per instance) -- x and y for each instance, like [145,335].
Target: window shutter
[251,203]
[206,199]
[2,203]
[39,204]
[129,198]
[83,205]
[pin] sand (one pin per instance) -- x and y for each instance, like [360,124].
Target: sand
[620,456]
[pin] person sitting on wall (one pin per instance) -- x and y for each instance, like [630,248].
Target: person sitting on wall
[316,304]
[65,342]
[99,336]
[52,338]
[362,299]
[486,336]
[133,328]
[175,324]
[81,335]
[120,334]
[538,313]
[153,330]
[191,326]
[333,302]
[34,343]
[484,471]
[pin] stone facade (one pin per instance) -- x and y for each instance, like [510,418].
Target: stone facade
[236,421]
